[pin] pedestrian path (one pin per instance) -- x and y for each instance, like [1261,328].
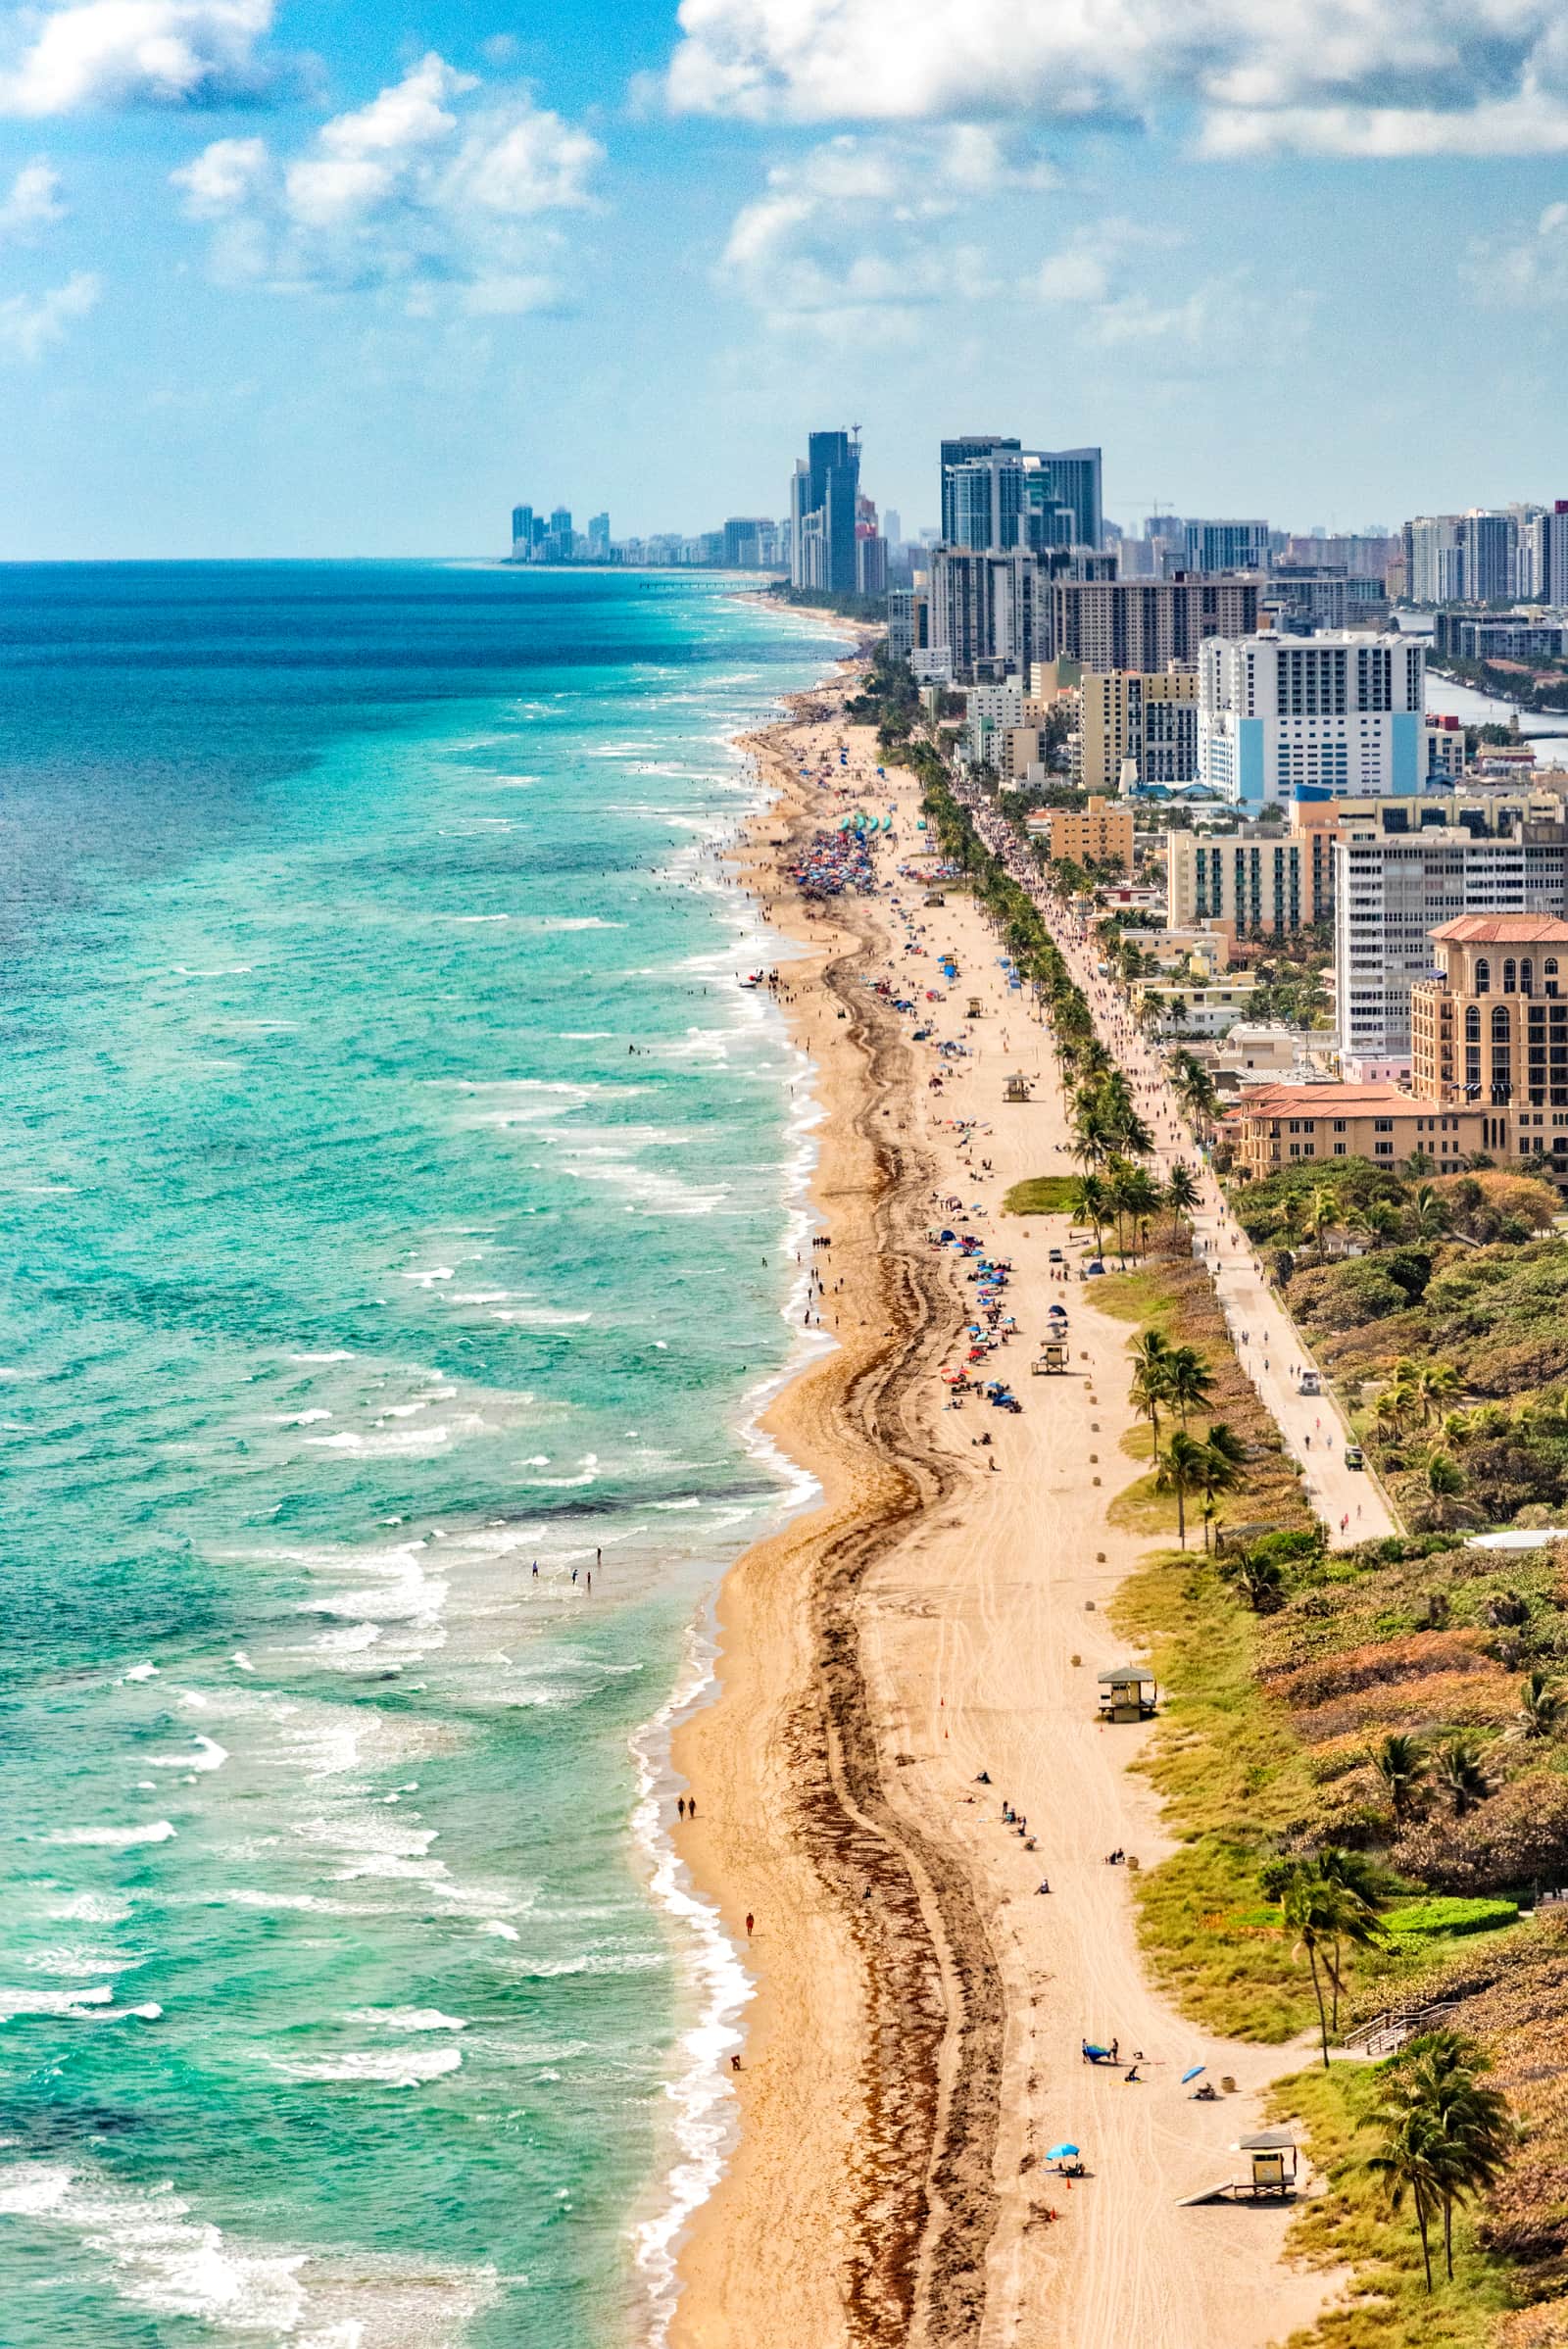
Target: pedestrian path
[1349,1501]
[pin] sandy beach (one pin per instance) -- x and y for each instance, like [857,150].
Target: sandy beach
[914,2049]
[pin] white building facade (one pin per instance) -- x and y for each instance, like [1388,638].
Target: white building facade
[1283,717]
[1392,891]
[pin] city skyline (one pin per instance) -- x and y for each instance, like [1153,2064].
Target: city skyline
[280,281]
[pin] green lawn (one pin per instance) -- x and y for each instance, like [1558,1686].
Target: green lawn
[1040,1195]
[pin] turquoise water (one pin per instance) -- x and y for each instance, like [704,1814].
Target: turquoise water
[358,1266]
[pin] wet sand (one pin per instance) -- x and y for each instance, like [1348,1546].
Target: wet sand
[912,2052]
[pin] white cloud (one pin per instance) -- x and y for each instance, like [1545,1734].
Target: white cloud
[137,53]
[1350,77]
[852,237]
[30,323]
[32,200]
[436,183]
[1530,268]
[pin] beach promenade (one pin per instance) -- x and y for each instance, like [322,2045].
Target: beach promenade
[1349,1501]
[895,1667]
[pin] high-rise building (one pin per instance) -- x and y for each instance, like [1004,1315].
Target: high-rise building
[1338,716]
[996,492]
[1125,714]
[1148,624]
[1209,545]
[522,530]
[893,526]
[1392,891]
[824,497]
[990,610]
[599,536]
[960,452]
[1492,551]
[744,540]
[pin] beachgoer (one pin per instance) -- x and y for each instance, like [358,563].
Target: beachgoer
[750,1922]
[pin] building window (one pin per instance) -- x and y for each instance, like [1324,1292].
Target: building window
[1499,1023]
[1527,976]
[1472,1024]
[1511,976]
[1339,1150]
[1482,976]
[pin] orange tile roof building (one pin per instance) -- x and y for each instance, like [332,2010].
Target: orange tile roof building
[1490,1031]
[1276,1126]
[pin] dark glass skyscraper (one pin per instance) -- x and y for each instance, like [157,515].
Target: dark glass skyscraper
[822,506]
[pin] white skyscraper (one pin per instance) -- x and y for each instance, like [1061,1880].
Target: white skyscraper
[1281,717]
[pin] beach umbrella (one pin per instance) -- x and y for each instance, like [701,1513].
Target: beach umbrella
[1193,2073]
[1061,2153]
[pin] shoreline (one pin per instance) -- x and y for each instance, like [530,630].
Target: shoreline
[714,1968]
[892,1963]
[912,2040]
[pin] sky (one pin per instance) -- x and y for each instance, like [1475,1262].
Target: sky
[310,277]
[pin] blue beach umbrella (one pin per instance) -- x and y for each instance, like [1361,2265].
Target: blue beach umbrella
[1061,2153]
[1193,2073]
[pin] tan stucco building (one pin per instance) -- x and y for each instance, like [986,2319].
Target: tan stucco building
[1100,833]
[1490,1031]
[1278,1125]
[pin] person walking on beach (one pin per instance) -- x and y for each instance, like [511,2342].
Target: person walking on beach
[750,1923]
[682,1805]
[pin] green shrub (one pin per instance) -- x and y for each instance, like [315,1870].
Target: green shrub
[1422,1920]
[1348,1295]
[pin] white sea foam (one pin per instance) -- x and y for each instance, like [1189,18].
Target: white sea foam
[338,1354]
[380,2067]
[140,1672]
[498,1929]
[34,2001]
[406,2018]
[114,1838]
[205,1754]
[91,1908]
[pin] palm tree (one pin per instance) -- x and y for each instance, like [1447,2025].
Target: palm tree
[1218,1475]
[1181,1194]
[1151,1351]
[1189,1382]
[1142,1196]
[1322,1215]
[1463,1775]
[1443,1483]
[1542,1704]
[1325,1916]
[1428,1213]
[1408,2163]
[1466,2130]
[1355,1872]
[1087,1203]
[1434,1384]
[1401,1762]
[1260,1580]
[1379,1220]
[1180,1471]
[1293,1217]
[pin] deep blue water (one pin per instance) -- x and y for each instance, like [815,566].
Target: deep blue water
[357,1263]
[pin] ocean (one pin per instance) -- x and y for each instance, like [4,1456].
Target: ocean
[401,1203]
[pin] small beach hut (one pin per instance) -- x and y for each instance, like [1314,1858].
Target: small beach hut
[1127,1693]
[1273,2157]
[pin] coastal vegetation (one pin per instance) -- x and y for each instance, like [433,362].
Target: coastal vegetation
[1439,1306]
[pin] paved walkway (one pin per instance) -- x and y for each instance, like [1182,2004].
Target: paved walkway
[1349,1501]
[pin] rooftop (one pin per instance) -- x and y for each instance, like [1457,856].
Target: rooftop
[1504,929]
[1333,1100]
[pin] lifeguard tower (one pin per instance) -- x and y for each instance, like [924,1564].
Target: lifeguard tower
[1127,1693]
[1016,1089]
[1271,2155]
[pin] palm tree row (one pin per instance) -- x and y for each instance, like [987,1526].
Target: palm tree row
[1445,2136]
[1176,1379]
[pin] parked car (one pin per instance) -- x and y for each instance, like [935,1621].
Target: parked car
[1055,1257]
